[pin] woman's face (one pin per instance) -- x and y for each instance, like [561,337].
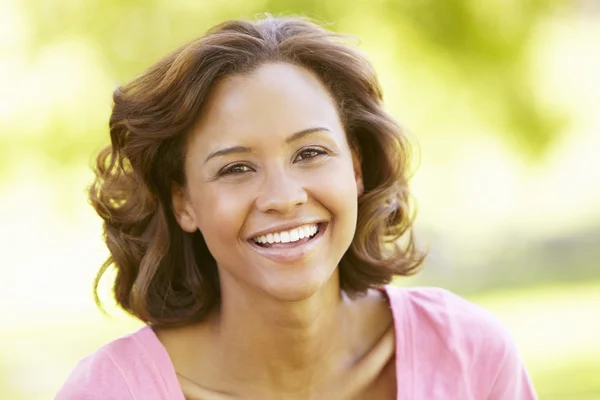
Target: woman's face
[271,182]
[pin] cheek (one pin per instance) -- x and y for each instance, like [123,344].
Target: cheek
[337,191]
[221,216]
[341,182]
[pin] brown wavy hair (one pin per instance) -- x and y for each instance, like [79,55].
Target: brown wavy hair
[167,277]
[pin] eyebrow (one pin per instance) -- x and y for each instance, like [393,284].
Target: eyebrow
[242,149]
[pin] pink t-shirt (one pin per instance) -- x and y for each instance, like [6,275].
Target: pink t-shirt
[447,348]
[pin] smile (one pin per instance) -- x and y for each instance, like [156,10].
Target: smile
[290,236]
[290,245]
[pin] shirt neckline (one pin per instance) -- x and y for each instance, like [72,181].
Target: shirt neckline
[396,301]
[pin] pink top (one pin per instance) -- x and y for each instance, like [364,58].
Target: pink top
[446,348]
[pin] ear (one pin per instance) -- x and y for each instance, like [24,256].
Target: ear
[183,210]
[358,176]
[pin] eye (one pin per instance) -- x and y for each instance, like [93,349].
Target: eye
[235,169]
[309,153]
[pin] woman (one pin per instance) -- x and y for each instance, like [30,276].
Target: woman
[253,197]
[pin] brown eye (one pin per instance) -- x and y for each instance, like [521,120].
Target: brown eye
[310,153]
[235,169]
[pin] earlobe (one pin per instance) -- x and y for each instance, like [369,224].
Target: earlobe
[182,209]
[360,188]
[358,176]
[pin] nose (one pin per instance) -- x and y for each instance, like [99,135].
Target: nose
[280,192]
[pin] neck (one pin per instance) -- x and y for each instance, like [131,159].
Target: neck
[287,346]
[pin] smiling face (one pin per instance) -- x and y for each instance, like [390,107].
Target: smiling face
[271,182]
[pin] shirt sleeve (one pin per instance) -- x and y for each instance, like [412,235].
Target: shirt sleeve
[512,381]
[465,349]
[96,377]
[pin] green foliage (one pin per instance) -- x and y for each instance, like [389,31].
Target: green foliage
[467,47]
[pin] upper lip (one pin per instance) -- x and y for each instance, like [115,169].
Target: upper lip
[285,227]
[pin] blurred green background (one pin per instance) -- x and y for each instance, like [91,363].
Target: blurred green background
[502,96]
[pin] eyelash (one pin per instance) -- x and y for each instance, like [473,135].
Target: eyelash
[319,152]
[230,170]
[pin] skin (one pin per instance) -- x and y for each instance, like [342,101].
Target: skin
[283,328]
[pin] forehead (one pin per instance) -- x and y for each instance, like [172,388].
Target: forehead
[275,99]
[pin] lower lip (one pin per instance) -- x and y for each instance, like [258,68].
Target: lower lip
[291,254]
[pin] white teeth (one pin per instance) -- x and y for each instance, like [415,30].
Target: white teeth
[307,231]
[261,239]
[293,235]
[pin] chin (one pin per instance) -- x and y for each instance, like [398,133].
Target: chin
[297,288]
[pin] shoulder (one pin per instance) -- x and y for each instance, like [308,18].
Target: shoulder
[115,371]
[98,376]
[462,338]
[439,310]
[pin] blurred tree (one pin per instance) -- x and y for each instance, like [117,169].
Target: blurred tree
[475,48]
